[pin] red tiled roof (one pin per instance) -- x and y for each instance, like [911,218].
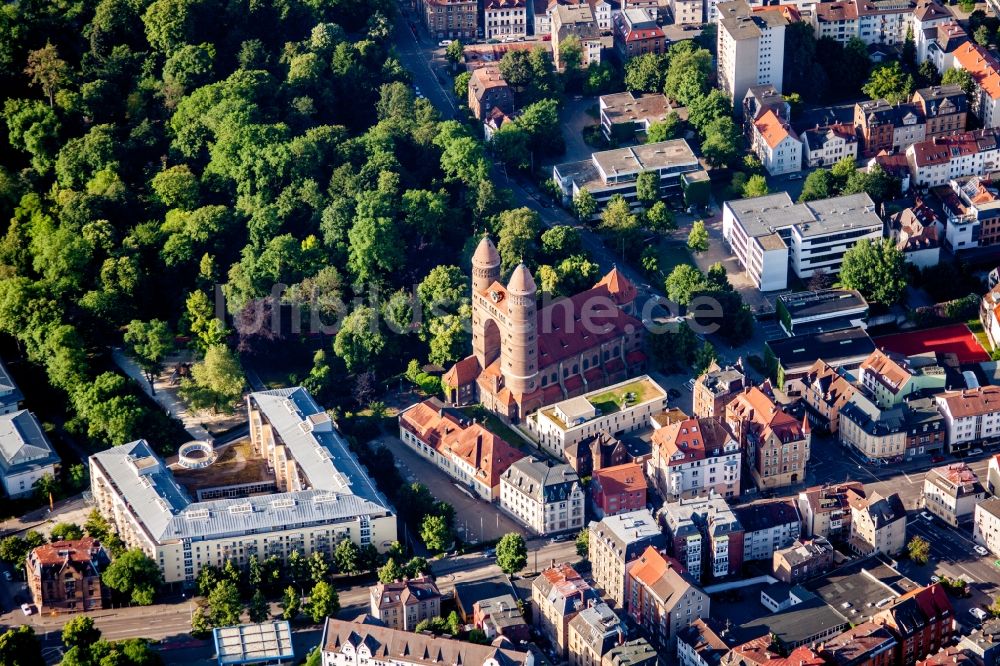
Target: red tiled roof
[773,129]
[695,438]
[627,478]
[57,552]
[754,406]
[464,372]
[982,65]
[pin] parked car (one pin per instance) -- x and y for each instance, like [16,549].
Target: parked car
[980,550]
[489,552]
[976,452]
[561,538]
[7,576]
[935,579]
[926,516]
[978,613]
[444,42]
[27,609]
[937,459]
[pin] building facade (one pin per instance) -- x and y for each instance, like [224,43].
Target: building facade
[695,457]
[593,633]
[26,455]
[714,389]
[705,536]
[970,416]
[452,19]
[314,494]
[620,489]
[403,604]
[878,524]
[952,492]
[557,595]
[65,576]
[662,599]
[505,19]
[546,498]
[776,445]
[986,525]
[614,542]
[750,48]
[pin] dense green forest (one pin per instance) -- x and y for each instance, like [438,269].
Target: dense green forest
[156,150]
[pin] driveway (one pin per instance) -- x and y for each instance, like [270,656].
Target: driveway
[475,520]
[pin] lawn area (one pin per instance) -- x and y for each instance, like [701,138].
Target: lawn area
[673,253]
[634,393]
[493,423]
[976,327]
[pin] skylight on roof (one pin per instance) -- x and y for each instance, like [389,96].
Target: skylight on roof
[197,514]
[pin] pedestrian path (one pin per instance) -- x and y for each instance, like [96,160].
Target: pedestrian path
[165,396]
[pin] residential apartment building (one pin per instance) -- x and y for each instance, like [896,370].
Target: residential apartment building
[505,19]
[837,20]
[26,455]
[65,576]
[636,652]
[919,233]
[596,452]
[951,492]
[366,641]
[662,598]
[876,433]
[544,497]
[488,91]
[557,595]
[972,213]
[986,525]
[467,452]
[867,644]
[985,71]
[750,48]
[770,233]
[705,536]
[593,633]
[970,416]
[619,489]
[313,494]
[775,444]
[715,388]
[403,604]
[993,475]
[571,421]
[637,33]
[889,379]
[927,19]
[945,109]
[758,101]
[802,560]
[10,395]
[878,524]
[687,12]
[577,20]
[925,428]
[501,616]
[695,457]
[825,511]
[625,116]
[768,526]
[611,172]
[776,145]
[617,540]
[946,158]
[921,620]
[451,19]
[827,390]
[827,145]
[989,315]
[703,643]
[886,127]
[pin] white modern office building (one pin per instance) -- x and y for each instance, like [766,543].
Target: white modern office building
[769,234]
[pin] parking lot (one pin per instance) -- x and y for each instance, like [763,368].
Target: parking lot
[475,520]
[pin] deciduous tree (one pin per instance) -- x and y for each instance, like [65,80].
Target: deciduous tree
[697,240]
[511,553]
[876,269]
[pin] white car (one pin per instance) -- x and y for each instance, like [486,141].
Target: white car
[978,613]
[926,516]
[26,609]
[981,551]
[935,579]
[444,42]
[976,452]
[7,576]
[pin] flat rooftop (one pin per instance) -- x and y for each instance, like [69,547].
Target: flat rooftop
[236,465]
[269,642]
[833,347]
[627,394]
[634,159]
[625,107]
[807,304]
[764,216]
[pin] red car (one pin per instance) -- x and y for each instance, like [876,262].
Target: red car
[937,459]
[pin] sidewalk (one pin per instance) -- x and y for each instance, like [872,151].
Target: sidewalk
[164,397]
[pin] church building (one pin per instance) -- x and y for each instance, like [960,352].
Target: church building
[525,357]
